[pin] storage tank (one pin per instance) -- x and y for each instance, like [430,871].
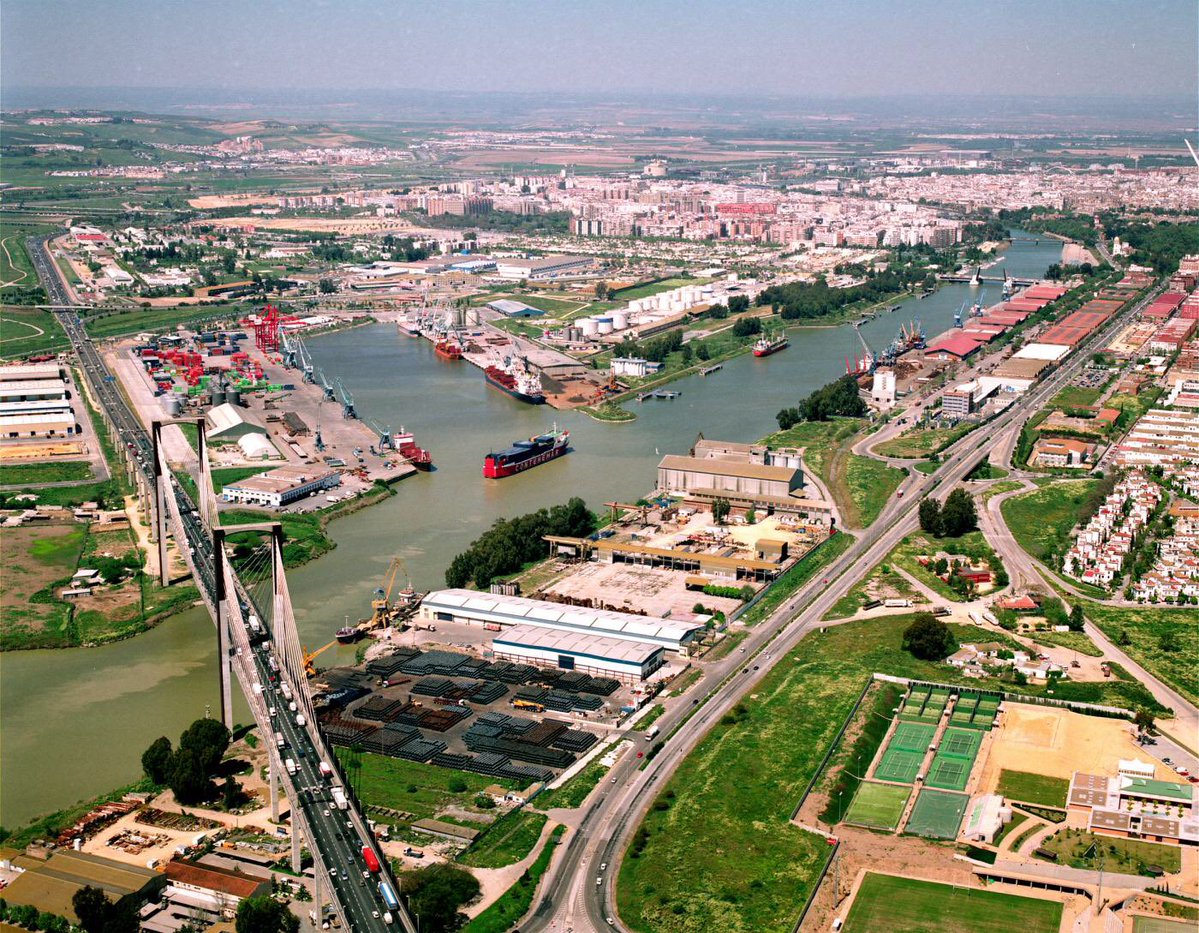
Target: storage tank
[233,396]
[589,327]
[677,305]
[604,325]
[174,406]
[218,397]
[620,320]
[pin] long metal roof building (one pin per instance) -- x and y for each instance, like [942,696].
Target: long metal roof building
[470,606]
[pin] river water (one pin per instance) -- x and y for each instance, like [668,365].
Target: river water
[75,721]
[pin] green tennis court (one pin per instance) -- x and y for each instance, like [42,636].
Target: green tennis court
[948,772]
[878,806]
[961,743]
[937,814]
[912,737]
[898,765]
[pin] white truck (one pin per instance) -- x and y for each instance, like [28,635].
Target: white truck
[339,799]
[290,765]
[651,733]
[279,743]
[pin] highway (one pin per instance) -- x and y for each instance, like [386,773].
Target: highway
[578,892]
[337,836]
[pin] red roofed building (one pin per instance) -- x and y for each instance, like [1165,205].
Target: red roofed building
[230,886]
[957,345]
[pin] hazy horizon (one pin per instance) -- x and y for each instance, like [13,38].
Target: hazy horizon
[861,49]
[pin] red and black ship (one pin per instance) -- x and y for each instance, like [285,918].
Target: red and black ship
[524,455]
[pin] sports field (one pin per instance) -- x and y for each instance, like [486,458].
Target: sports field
[899,766]
[878,806]
[937,814]
[906,905]
[1162,925]
[950,769]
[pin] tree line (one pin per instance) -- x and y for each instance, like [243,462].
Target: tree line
[807,300]
[840,398]
[511,543]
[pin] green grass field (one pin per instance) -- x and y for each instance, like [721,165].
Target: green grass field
[1075,397]
[922,442]
[878,806]
[937,814]
[1041,520]
[1145,924]
[1027,787]
[653,288]
[30,474]
[572,794]
[29,331]
[416,788]
[1080,849]
[872,485]
[516,901]
[135,320]
[507,840]
[1165,641]
[906,905]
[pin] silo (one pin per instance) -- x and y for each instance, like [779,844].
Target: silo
[218,397]
[233,396]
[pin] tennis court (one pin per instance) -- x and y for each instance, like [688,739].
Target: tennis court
[899,766]
[937,814]
[877,806]
[912,737]
[948,772]
[950,769]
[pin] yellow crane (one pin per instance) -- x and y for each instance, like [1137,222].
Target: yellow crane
[383,610]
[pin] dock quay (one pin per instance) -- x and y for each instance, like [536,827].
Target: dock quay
[667,394]
[708,370]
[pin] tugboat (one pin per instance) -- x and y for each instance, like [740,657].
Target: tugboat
[513,379]
[348,634]
[767,345]
[524,455]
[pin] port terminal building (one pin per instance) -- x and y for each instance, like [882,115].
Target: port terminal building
[498,612]
[596,655]
[279,487]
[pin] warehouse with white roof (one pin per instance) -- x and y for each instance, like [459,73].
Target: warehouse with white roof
[494,610]
[595,655]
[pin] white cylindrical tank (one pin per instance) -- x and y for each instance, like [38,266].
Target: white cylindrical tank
[589,327]
[604,325]
[676,305]
[620,320]
[174,405]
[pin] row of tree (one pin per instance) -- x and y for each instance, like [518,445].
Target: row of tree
[188,770]
[840,398]
[511,543]
[953,519]
[656,349]
[807,300]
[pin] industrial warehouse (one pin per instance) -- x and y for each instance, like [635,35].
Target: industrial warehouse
[35,403]
[492,609]
[597,655]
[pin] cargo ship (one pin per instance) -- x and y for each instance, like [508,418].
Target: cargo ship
[524,455]
[767,345]
[448,349]
[407,448]
[517,382]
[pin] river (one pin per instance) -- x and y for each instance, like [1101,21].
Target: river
[75,721]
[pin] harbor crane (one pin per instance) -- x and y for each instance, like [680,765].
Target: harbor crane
[304,360]
[383,609]
[290,352]
[347,400]
[326,385]
[386,441]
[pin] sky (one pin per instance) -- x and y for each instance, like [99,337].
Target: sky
[830,48]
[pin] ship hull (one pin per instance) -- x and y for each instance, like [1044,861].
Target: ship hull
[515,393]
[772,349]
[448,353]
[494,470]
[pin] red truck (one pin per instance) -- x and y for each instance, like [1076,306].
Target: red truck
[372,860]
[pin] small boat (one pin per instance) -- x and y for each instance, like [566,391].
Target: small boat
[348,635]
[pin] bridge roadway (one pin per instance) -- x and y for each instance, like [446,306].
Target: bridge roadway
[336,836]
[578,894]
